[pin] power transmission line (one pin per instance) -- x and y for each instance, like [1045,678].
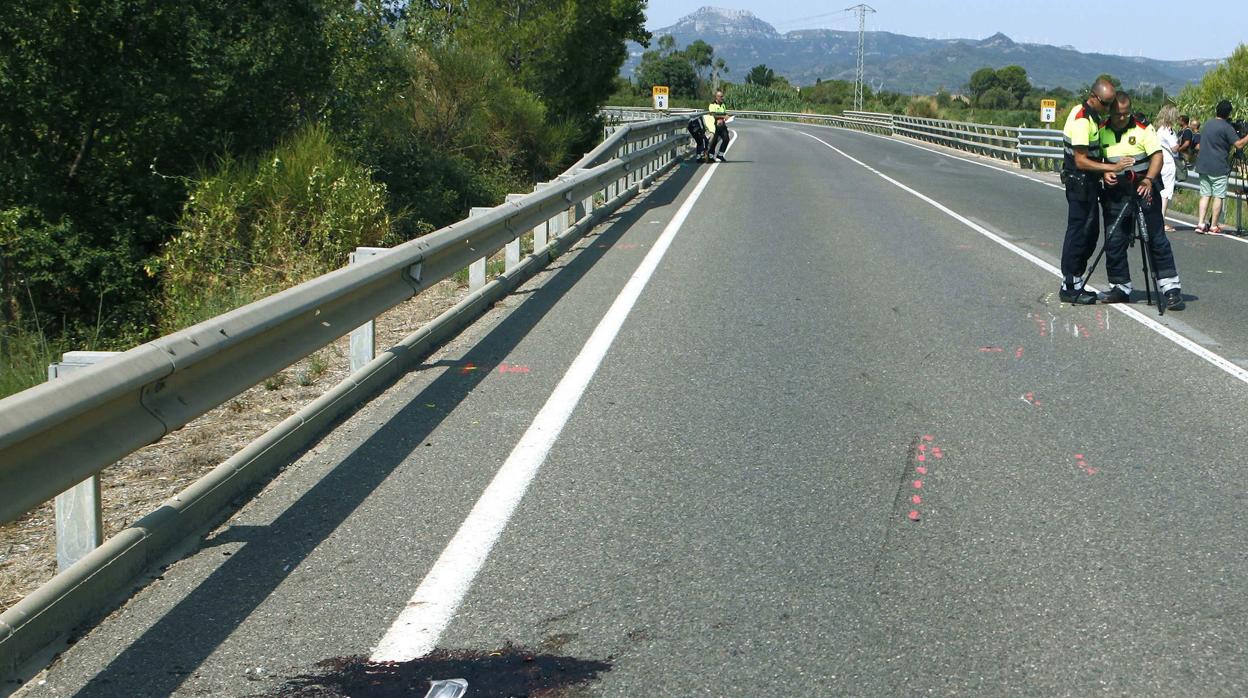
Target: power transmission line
[862,11]
[827,17]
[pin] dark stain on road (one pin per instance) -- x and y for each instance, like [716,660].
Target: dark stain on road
[509,671]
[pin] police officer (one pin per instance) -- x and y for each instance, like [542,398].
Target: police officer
[1126,137]
[718,116]
[1081,171]
[697,130]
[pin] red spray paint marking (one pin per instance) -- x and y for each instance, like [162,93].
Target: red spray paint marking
[1041,324]
[924,448]
[1030,398]
[1100,320]
[513,368]
[1018,353]
[467,368]
[1082,464]
[1083,331]
[990,350]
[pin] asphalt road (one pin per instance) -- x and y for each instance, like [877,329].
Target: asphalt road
[844,444]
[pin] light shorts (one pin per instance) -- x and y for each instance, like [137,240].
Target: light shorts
[1213,186]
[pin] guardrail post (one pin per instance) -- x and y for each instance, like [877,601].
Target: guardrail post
[582,208]
[541,230]
[476,270]
[79,517]
[511,254]
[364,337]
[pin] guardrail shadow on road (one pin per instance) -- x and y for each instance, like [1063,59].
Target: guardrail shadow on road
[160,661]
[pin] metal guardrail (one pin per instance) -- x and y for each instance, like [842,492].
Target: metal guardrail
[1034,147]
[57,434]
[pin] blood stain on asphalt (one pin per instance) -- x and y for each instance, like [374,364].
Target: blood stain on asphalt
[508,671]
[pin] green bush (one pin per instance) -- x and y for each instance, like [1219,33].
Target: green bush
[256,227]
[922,107]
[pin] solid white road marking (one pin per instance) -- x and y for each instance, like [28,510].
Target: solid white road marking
[418,627]
[1225,364]
[951,156]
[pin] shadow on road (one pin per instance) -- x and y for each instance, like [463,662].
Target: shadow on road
[172,649]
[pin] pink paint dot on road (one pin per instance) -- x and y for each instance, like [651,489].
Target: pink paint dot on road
[916,499]
[921,470]
[918,484]
[914,516]
[920,458]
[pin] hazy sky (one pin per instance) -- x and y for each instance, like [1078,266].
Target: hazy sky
[1211,28]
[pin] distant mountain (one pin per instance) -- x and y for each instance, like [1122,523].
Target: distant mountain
[907,64]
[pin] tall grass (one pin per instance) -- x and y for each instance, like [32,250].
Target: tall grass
[24,358]
[253,228]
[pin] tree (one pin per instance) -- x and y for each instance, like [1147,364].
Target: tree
[761,75]
[981,81]
[107,107]
[997,98]
[673,71]
[568,52]
[1229,80]
[1013,79]
[719,67]
[700,55]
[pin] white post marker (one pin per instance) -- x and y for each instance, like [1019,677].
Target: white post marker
[660,94]
[1048,111]
[416,631]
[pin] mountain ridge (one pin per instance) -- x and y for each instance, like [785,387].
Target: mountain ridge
[907,64]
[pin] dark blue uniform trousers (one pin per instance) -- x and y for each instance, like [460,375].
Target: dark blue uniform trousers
[1082,231]
[1120,237]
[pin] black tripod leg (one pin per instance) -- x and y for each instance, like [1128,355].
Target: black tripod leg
[1109,233]
[1146,242]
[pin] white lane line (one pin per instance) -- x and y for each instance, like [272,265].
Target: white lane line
[969,161]
[1225,364]
[951,156]
[418,627]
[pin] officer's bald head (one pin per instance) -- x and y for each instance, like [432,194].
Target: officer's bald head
[1104,91]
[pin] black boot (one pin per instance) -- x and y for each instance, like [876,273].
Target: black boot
[1081,296]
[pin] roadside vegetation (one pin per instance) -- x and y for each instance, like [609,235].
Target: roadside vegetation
[1003,97]
[167,161]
